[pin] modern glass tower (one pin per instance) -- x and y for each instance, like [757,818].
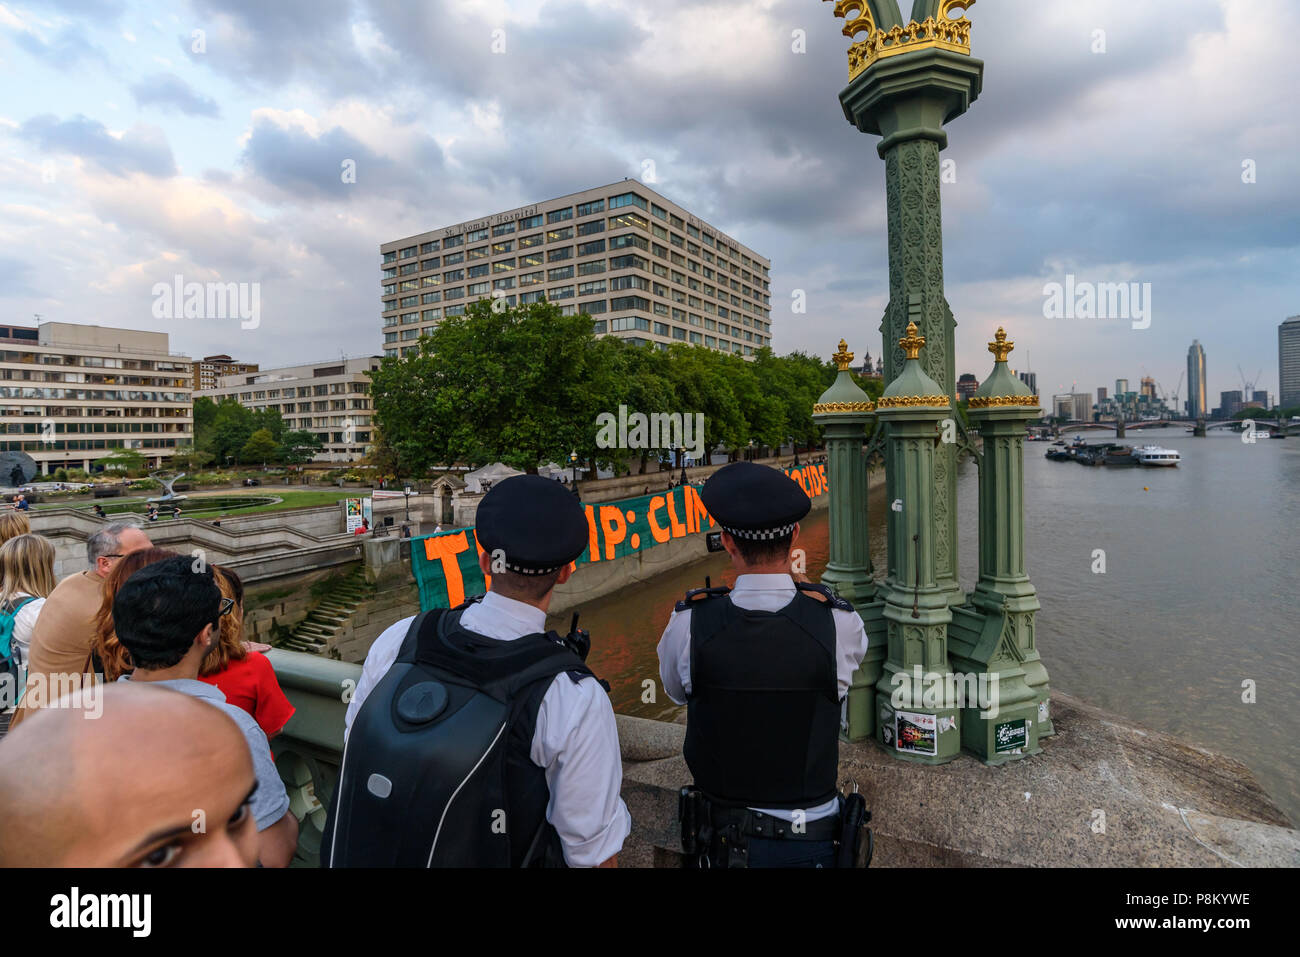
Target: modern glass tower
[1197,406]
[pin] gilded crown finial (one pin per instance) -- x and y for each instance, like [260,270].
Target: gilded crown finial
[911,343]
[843,357]
[941,30]
[1000,347]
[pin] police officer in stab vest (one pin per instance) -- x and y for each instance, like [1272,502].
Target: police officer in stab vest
[474,737]
[763,669]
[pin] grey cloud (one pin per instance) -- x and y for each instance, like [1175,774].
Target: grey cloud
[141,149]
[169,91]
[295,163]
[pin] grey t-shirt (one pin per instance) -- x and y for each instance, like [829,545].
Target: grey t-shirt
[270,800]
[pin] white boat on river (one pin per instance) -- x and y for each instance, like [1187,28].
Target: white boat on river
[1156,455]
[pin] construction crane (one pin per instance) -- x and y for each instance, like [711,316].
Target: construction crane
[1247,388]
[1177,389]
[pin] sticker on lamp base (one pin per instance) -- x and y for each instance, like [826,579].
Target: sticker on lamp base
[915,733]
[1010,735]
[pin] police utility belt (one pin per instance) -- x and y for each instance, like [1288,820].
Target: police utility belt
[717,834]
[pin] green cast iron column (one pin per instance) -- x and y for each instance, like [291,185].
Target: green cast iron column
[995,638]
[844,412]
[912,725]
[907,81]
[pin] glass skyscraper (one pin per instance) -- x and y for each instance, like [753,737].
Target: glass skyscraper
[1197,406]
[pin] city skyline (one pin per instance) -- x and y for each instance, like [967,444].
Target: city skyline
[223,155]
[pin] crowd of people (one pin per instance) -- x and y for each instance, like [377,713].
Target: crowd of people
[473,736]
[100,673]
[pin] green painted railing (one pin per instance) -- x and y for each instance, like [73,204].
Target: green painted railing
[310,748]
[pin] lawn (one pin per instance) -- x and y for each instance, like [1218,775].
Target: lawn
[193,505]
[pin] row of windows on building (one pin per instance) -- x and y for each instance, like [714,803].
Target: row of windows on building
[86,445]
[590,247]
[92,395]
[95,362]
[754,299]
[623,200]
[306,391]
[93,428]
[86,412]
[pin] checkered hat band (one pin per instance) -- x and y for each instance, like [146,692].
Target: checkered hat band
[760,534]
[532,571]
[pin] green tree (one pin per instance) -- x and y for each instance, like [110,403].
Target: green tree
[232,426]
[260,447]
[521,385]
[122,460]
[191,459]
[298,447]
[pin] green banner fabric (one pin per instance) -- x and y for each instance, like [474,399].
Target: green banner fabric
[446,564]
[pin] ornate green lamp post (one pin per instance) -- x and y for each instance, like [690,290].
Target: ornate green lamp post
[844,412]
[913,724]
[993,635]
[906,80]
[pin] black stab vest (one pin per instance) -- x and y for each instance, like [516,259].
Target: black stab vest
[763,715]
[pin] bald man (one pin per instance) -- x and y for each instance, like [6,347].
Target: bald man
[158,779]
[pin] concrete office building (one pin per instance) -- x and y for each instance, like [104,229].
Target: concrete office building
[646,269]
[1121,386]
[73,393]
[211,368]
[1082,403]
[1101,394]
[1288,363]
[331,399]
[967,385]
[1030,379]
[1198,407]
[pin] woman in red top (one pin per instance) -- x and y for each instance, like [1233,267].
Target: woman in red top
[244,676]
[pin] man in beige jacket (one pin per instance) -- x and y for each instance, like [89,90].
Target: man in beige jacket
[61,640]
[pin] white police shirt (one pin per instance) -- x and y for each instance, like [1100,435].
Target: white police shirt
[762,593]
[576,739]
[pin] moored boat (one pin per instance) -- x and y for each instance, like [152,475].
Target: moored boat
[1156,455]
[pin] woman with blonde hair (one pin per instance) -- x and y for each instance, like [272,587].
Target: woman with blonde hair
[238,669]
[26,579]
[12,524]
[104,644]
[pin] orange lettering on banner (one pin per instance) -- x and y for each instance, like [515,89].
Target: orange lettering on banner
[593,548]
[445,548]
[816,478]
[695,511]
[678,529]
[660,534]
[821,470]
[611,520]
[487,576]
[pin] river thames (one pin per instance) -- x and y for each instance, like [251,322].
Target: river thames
[1202,572]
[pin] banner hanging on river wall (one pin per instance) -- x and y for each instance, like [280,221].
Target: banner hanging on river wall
[446,567]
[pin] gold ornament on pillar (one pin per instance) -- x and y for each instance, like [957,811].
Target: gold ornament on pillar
[911,343]
[843,357]
[942,32]
[1000,347]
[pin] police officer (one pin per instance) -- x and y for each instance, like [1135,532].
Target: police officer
[763,669]
[568,768]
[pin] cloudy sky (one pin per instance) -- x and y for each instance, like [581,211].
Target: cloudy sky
[205,138]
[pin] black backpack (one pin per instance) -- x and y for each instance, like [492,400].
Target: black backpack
[435,772]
